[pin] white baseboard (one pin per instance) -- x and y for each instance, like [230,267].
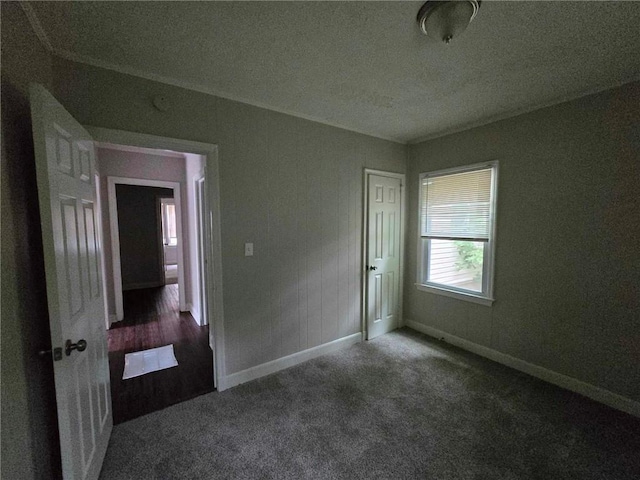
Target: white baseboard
[286,362]
[588,390]
[195,313]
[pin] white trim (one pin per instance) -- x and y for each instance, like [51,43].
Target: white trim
[87,60]
[598,394]
[199,193]
[488,267]
[213,248]
[521,111]
[37,26]
[78,58]
[195,313]
[103,262]
[215,310]
[365,243]
[467,297]
[112,319]
[150,151]
[115,236]
[288,361]
[133,139]
[115,250]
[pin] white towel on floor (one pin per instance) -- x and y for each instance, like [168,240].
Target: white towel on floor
[146,361]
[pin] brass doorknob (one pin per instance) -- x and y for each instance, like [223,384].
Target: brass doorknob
[81,346]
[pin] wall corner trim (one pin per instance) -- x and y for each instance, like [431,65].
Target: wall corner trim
[593,392]
[285,362]
[195,313]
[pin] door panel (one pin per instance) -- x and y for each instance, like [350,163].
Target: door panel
[383,259]
[65,166]
[71,264]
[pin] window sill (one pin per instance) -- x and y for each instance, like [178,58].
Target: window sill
[467,297]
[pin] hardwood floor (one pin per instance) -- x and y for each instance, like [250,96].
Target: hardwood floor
[152,319]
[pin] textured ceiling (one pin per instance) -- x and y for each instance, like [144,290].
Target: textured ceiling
[363,66]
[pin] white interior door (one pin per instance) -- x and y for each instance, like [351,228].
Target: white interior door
[65,164]
[383,254]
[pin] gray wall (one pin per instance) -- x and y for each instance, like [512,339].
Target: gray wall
[118,163]
[567,291]
[30,447]
[140,241]
[567,279]
[290,186]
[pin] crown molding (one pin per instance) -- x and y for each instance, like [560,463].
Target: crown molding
[87,60]
[36,25]
[520,111]
[126,70]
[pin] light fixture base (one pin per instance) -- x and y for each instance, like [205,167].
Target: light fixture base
[446,19]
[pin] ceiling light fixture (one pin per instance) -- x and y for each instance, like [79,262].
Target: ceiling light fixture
[444,20]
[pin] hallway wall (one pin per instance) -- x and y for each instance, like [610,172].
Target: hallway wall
[139,226]
[118,163]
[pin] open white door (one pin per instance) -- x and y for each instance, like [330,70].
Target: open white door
[384,242]
[65,164]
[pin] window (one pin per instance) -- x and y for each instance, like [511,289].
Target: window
[457,222]
[169,235]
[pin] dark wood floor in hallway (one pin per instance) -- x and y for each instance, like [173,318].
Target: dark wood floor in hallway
[152,319]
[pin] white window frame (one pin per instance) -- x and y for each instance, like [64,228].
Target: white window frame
[488,265]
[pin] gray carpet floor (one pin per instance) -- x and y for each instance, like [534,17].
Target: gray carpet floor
[400,406]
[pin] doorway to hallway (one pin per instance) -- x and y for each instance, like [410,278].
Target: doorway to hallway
[159,338]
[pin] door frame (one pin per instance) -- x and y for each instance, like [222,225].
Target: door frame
[103,260]
[365,243]
[115,236]
[213,237]
[199,187]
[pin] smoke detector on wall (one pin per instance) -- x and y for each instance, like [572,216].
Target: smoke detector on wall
[446,20]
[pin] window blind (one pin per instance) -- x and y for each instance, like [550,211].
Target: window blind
[457,206]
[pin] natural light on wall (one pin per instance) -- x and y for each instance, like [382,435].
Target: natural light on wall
[169,232]
[457,210]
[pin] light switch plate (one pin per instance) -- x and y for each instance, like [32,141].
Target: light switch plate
[248,249]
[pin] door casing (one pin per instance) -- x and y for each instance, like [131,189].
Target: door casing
[199,183]
[365,243]
[115,236]
[213,239]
